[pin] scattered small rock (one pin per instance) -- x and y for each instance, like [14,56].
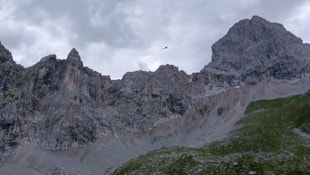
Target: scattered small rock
[252,173]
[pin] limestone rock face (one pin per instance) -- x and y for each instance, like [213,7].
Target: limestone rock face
[256,50]
[60,104]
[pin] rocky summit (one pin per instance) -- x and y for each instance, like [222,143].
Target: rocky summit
[60,105]
[257,50]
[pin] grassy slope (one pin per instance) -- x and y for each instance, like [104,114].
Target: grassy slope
[263,142]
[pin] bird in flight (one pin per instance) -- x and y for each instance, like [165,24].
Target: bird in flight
[165,47]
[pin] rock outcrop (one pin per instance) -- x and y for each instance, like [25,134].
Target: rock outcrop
[60,104]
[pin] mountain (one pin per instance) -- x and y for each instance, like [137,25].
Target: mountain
[58,116]
[256,50]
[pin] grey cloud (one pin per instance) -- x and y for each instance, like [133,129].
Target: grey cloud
[276,9]
[114,30]
[12,39]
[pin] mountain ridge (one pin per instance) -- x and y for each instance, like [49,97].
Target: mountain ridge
[61,105]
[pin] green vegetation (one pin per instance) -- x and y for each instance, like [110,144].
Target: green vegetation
[265,141]
[202,110]
[220,111]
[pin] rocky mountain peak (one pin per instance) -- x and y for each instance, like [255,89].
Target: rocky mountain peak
[74,56]
[5,54]
[258,50]
[167,69]
[258,29]
[49,58]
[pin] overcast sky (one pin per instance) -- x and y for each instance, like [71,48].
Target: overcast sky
[116,36]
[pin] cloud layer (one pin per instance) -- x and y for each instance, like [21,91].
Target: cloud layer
[114,37]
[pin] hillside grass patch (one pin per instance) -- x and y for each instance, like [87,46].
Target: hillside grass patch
[264,142]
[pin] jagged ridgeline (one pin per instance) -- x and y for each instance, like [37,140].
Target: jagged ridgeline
[60,104]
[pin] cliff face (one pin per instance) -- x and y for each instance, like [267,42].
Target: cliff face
[60,104]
